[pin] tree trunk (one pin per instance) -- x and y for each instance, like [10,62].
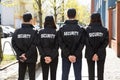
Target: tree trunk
[40,13]
[1,53]
[55,14]
[40,19]
[63,11]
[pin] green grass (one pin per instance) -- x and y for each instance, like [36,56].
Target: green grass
[7,59]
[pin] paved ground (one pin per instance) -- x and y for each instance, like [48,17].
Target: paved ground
[112,68]
[8,71]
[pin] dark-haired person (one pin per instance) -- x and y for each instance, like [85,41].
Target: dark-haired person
[24,44]
[96,43]
[48,48]
[71,42]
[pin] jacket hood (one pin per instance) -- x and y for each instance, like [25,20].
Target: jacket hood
[71,22]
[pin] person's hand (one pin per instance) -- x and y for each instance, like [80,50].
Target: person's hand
[72,58]
[95,57]
[47,59]
[23,57]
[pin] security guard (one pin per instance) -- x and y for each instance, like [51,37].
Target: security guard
[24,44]
[96,43]
[71,41]
[48,47]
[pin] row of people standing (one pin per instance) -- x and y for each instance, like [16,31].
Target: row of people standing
[71,38]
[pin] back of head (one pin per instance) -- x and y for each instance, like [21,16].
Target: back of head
[71,13]
[49,21]
[27,17]
[96,18]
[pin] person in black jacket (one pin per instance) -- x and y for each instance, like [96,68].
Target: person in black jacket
[48,48]
[24,44]
[96,43]
[71,42]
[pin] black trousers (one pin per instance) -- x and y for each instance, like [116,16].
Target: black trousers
[53,68]
[22,70]
[100,69]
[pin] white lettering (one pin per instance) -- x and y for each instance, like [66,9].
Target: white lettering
[71,33]
[96,34]
[47,35]
[23,36]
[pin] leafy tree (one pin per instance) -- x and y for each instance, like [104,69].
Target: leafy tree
[8,3]
[82,11]
[57,7]
[50,7]
[39,11]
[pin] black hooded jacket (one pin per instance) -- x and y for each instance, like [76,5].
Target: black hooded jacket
[96,41]
[48,43]
[24,41]
[71,39]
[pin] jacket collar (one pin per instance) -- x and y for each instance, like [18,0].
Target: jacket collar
[27,26]
[71,22]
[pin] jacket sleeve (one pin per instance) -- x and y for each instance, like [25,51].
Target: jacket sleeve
[32,46]
[81,43]
[41,51]
[62,44]
[89,51]
[14,45]
[55,50]
[104,43]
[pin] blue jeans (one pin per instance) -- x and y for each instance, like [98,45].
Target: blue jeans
[77,66]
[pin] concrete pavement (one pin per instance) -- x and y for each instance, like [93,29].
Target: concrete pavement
[112,68]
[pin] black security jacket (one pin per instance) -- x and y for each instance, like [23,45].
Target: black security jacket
[48,43]
[71,39]
[24,41]
[96,41]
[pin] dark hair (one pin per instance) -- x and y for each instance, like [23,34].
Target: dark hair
[71,13]
[27,17]
[49,21]
[96,18]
